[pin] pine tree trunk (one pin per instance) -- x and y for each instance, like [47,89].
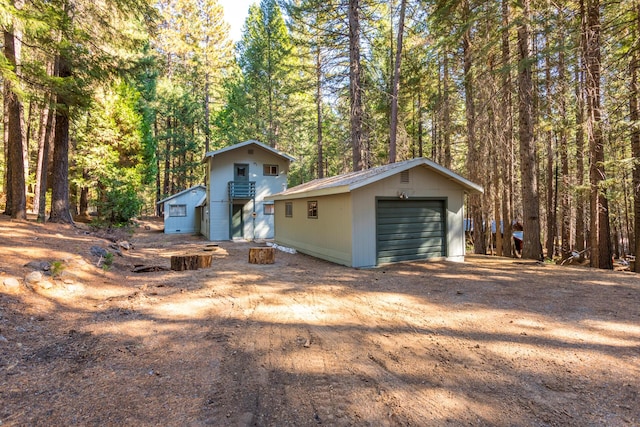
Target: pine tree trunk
[580,198]
[16,196]
[551,208]
[395,90]
[319,143]
[207,113]
[355,90]
[565,208]
[44,145]
[532,249]
[167,159]
[634,113]
[60,178]
[600,237]
[5,149]
[507,135]
[475,200]
[158,207]
[446,119]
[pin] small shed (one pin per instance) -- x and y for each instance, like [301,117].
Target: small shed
[182,210]
[404,211]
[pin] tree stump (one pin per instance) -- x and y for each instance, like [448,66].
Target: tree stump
[190,261]
[262,255]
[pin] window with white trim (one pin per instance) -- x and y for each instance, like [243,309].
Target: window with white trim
[177,210]
[270,170]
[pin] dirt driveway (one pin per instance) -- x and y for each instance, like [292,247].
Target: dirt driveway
[304,342]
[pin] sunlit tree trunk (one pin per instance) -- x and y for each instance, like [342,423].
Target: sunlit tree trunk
[600,238]
[446,112]
[355,78]
[45,133]
[565,208]
[60,211]
[634,110]
[16,195]
[395,90]
[319,142]
[506,134]
[475,200]
[551,157]
[579,141]
[532,249]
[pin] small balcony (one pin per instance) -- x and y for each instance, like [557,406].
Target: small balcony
[242,189]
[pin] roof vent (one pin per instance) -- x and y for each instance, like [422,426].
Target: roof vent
[250,150]
[404,176]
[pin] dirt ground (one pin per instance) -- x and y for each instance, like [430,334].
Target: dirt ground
[303,342]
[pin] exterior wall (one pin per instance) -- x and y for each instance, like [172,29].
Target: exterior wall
[422,183]
[221,169]
[327,237]
[183,224]
[205,230]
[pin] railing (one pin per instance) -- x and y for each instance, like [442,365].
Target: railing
[242,189]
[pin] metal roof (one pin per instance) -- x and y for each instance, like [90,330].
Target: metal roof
[246,143]
[353,180]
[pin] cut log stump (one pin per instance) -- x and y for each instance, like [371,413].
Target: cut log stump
[262,255]
[190,261]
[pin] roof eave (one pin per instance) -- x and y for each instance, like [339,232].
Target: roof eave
[173,196]
[310,194]
[214,153]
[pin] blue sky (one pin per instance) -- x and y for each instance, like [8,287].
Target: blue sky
[235,12]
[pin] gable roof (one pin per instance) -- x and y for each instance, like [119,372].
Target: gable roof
[173,196]
[246,143]
[353,180]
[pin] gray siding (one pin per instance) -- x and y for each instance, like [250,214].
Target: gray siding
[183,224]
[221,172]
[422,183]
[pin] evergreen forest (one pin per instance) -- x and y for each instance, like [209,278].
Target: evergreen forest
[110,105]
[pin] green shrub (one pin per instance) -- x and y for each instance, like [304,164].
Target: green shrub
[108,261]
[57,267]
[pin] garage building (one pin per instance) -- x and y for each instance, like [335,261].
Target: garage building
[404,211]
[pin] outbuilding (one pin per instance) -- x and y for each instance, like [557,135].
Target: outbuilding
[182,211]
[403,211]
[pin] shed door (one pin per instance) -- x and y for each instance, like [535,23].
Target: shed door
[237,221]
[410,229]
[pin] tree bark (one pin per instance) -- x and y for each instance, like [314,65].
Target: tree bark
[579,141]
[319,142]
[634,110]
[396,85]
[60,178]
[355,78]
[16,195]
[551,160]
[600,237]
[446,112]
[506,135]
[475,200]
[44,147]
[532,248]
[565,208]
[167,159]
